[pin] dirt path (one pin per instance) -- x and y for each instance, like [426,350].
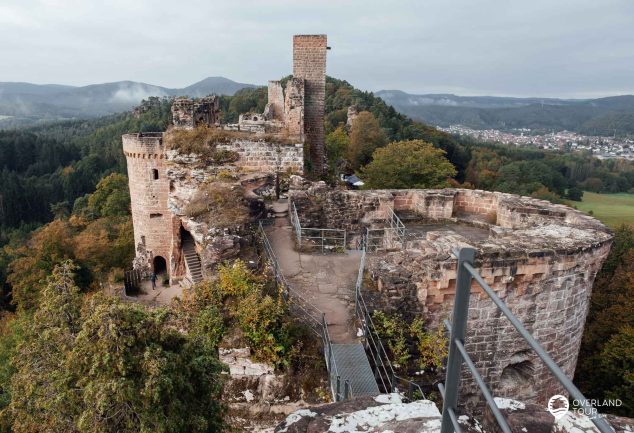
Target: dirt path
[162,295]
[325,280]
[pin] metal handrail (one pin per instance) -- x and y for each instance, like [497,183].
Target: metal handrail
[457,352]
[296,224]
[317,322]
[388,378]
[327,238]
[397,225]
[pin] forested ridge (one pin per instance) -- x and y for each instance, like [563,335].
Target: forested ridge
[65,229]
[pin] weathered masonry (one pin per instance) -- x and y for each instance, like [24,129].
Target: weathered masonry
[540,258]
[309,64]
[149,190]
[260,147]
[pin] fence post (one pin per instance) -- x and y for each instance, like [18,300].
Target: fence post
[338,392]
[346,390]
[458,327]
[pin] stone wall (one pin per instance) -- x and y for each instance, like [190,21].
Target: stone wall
[309,63]
[540,258]
[149,188]
[260,155]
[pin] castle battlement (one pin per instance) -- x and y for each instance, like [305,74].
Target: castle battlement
[143,145]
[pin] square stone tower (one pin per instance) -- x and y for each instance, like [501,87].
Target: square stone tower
[309,63]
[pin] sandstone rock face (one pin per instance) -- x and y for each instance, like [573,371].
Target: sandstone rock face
[382,413]
[388,413]
[540,258]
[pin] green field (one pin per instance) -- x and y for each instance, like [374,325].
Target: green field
[612,209]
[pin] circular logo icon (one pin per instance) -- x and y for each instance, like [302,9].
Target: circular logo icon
[558,406]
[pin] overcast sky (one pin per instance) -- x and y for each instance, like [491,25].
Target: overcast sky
[561,48]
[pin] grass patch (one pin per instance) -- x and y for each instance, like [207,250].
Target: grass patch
[220,205]
[611,209]
[203,141]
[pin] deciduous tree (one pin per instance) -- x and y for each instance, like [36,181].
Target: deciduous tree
[408,164]
[366,136]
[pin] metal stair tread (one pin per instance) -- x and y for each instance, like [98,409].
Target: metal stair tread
[353,365]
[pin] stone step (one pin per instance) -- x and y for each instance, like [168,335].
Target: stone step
[192,261]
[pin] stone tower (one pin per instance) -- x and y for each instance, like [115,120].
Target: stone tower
[309,63]
[149,189]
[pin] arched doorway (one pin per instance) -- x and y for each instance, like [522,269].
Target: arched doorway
[159,265]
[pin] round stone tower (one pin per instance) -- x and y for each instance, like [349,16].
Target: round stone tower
[149,188]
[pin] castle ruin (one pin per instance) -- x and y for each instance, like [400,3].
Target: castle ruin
[264,144]
[540,258]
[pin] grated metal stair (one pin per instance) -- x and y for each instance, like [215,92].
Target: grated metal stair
[352,364]
[192,261]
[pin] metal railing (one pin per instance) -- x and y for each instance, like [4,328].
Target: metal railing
[132,281]
[373,240]
[296,224]
[396,225]
[384,372]
[327,240]
[457,352]
[312,316]
[389,237]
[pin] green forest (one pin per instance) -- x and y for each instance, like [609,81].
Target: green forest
[65,229]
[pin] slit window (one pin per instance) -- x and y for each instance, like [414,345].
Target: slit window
[156,215]
[155,174]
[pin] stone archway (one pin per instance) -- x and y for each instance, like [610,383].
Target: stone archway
[159,265]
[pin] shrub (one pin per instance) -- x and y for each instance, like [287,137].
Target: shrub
[261,318]
[392,330]
[432,345]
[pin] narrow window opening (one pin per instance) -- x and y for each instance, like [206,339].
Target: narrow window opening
[155,175]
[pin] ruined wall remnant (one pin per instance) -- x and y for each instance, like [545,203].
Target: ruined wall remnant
[294,107]
[540,258]
[260,155]
[309,63]
[191,113]
[275,107]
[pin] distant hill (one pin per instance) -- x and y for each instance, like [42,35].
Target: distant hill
[24,103]
[601,116]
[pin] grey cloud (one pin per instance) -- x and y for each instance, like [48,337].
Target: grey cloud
[567,48]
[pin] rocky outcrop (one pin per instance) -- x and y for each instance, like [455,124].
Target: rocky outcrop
[388,413]
[366,414]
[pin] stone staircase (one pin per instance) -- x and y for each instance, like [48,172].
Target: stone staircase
[192,261]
